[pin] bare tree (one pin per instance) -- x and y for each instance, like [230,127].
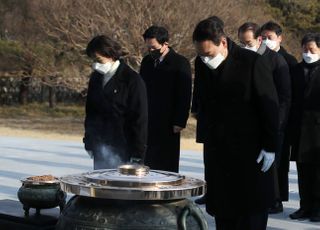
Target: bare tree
[75,22]
[54,33]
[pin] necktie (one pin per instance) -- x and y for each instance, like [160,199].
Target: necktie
[156,62]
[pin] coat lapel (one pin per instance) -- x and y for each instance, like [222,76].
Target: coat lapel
[232,63]
[313,76]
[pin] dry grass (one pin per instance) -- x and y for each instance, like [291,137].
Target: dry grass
[64,122]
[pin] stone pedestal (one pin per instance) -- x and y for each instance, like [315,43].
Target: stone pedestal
[12,217]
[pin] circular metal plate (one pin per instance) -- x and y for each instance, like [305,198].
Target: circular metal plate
[111,184]
[113,177]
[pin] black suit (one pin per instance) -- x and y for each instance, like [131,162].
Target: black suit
[282,80]
[169,94]
[116,118]
[201,129]
[241,106]
[305,130]
[283,168]
[291,60]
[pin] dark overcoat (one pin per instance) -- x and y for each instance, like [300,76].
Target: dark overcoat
[282,81]
[201,128]
[242,106]
[169,95]
[291,60]
[283,166]
[117,114]
[305,124]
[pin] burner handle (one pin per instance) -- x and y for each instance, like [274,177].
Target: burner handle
[191,211]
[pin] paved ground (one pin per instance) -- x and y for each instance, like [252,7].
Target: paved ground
[22,157]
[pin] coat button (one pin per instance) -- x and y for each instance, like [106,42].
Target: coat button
[115,91]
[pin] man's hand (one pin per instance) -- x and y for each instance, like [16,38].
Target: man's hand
[268,159]
[177,129]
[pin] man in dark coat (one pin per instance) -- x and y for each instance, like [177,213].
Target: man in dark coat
[167,76]
[305,128]
[250,38]
[239,98]
[272,36]
[197,113]
[116,108]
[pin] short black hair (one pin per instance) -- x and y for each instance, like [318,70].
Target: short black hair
[105,46]
[250,26]
[311,37]
[272,26]
[208,30]
[217,19]
[158,32]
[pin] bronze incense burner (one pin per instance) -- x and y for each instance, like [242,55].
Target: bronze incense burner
[41,192]
[131,197]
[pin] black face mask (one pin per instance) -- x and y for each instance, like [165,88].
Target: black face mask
[155,54]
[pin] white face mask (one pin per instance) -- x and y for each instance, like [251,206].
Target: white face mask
[102,68]
[310,58]
[252,48]
[213,62]
[271,44]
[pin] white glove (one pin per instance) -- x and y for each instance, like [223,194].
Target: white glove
[90,153]
[268,159]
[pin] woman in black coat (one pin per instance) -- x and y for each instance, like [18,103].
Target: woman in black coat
[116,108]
[305,128]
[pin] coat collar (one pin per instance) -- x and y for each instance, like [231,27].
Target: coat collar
[119,73]
[170,55]
[262,49]
[233,50]
[310,65]
[118,76]
[282,51]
